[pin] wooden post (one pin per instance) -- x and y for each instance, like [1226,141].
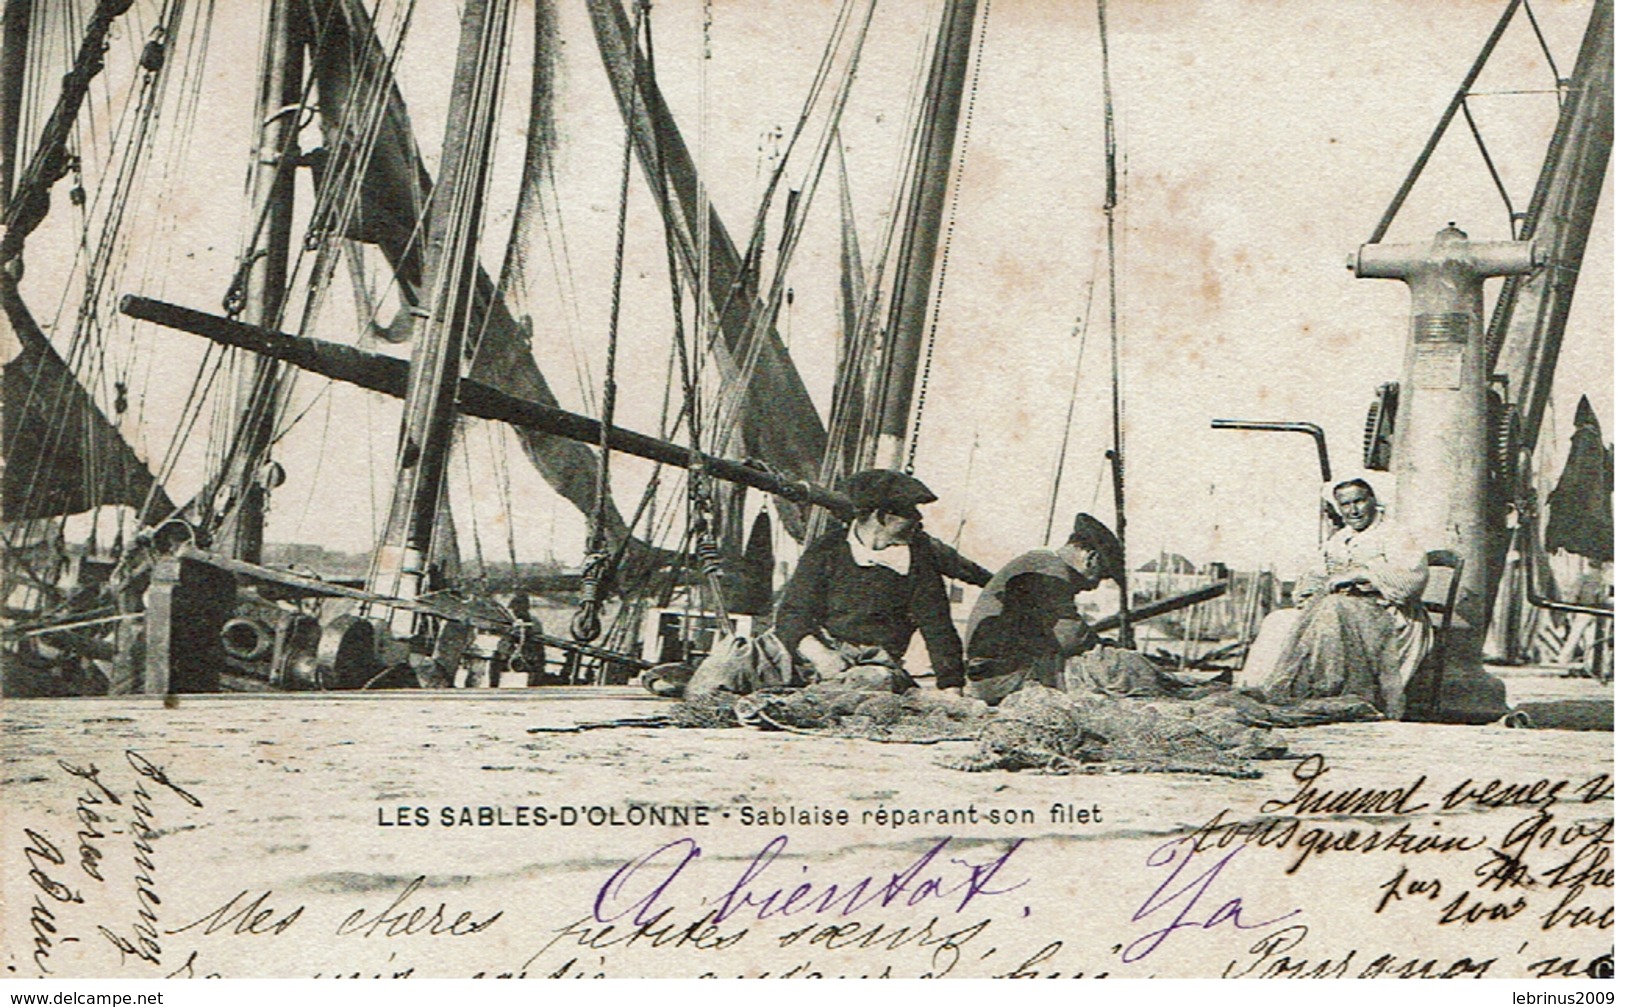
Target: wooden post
[187,606]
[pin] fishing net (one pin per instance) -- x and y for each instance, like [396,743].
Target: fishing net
[1039,728]
[1048,730]
[713,710]
[835,711]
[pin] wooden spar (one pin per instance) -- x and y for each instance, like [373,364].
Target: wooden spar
[1163,606]
[451,261]
[266,269]
[13,67]
[917,258]
[388,375]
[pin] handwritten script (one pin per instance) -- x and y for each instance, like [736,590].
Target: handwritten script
[640,888]
[1311,875]
[141,805]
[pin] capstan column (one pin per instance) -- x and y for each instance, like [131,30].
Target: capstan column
[1441,439]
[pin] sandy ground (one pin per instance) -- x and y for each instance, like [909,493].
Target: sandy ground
[285,865]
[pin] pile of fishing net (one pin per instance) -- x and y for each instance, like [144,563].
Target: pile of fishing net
[1218,734]
[1039,728]
[836,711]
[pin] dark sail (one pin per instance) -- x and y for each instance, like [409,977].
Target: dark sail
[350,63]
[779,423]
[1581,508]
[846,411]
[62,455]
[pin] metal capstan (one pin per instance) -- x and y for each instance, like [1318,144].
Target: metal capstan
[1441,441]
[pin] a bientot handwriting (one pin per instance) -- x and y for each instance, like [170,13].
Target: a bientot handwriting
[1189,898]
[642,888]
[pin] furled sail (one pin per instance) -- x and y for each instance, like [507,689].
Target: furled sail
[61,453]
[779,423]
[1581,508]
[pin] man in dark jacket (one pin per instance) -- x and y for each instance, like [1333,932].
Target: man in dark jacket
[860,592]
[1026,623]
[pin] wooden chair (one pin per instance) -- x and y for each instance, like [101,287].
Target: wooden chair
[1443,612]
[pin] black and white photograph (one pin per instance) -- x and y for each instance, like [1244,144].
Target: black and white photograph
[847,488]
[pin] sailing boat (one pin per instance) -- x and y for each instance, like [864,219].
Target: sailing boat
[340,184]
[372,188]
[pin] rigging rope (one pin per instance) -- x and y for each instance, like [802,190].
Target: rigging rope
[344,183]
[103,262]
[766,310]
[495,440]
[587,623]
[701,225]
[1118,461]
[1081,330]
[269,404]
[701,495]
[751,259]
[873,403]
[1546,50]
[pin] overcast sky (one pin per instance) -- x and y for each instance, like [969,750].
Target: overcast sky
[1259,143]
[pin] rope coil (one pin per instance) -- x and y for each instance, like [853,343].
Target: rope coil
[588,622]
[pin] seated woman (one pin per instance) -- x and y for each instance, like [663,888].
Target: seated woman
[1361,629]
[860,593]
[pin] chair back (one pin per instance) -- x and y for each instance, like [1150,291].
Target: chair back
[1444,608]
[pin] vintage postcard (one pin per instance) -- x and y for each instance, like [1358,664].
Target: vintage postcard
[978,488]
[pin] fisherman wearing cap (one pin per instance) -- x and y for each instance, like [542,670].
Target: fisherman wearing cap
[1026,624]
[860,592]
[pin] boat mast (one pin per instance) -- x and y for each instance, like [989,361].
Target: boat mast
[30,200]
[439,326]
[13,65]
[1125,623]
[264,276]
[917,260]
[1525,335]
